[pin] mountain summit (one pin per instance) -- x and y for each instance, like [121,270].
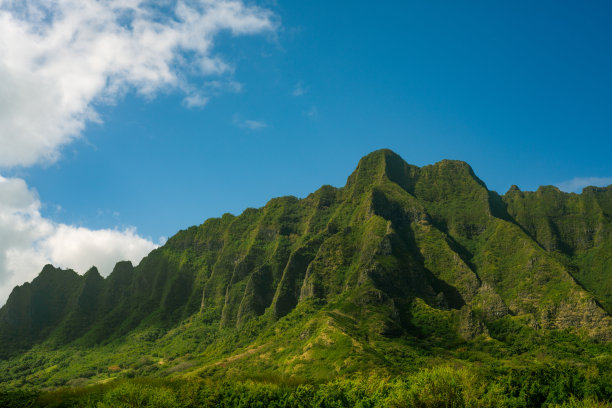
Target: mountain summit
[400,257]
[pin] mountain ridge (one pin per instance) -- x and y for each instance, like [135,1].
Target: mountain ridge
[400,252]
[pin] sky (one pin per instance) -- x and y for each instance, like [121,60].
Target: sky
[124,121]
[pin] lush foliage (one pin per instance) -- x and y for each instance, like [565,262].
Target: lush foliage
[541,385]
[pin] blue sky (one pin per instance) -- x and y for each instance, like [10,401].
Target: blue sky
[292,98]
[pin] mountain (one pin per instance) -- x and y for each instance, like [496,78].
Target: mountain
[400,266]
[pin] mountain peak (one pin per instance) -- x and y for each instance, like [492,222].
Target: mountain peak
[455,169]
[513,189]
[92,272]
[376,161]
[548,190]
[378,165]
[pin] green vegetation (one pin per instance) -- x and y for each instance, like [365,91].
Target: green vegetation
[576,228]
[406,287]
[553,386]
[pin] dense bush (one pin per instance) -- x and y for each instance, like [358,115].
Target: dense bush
[438,387]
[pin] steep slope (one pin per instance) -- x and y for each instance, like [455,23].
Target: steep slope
[400,252]
[576,228]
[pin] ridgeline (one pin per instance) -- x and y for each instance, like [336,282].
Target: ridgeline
[402,268]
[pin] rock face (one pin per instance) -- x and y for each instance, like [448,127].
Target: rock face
[407,245]
[577,228]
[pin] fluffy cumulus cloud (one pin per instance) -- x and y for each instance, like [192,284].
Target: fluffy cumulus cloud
[28,241]
[576,184]
[58,58]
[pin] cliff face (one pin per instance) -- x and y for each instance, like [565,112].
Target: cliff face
[394,250]
[575,228]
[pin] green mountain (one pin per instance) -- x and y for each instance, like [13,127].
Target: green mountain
[401,267]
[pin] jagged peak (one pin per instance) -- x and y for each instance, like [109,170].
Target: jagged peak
[385,164]
[123,265]
[371,165]
[460,164]
[378,165]
[454,169]
[49,270]
[513,189]
[595,189]
[381,154]
[548,189]
[92,273]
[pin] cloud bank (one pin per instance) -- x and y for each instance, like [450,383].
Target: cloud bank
[576,184]
[58,58]
[28,241]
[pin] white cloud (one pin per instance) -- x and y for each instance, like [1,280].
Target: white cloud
[248,123]
[28,241]
[216,87]
[576,184]
[299,89]
[200,98]
[196,101]
[58,58]
[254,124]
[312,113]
